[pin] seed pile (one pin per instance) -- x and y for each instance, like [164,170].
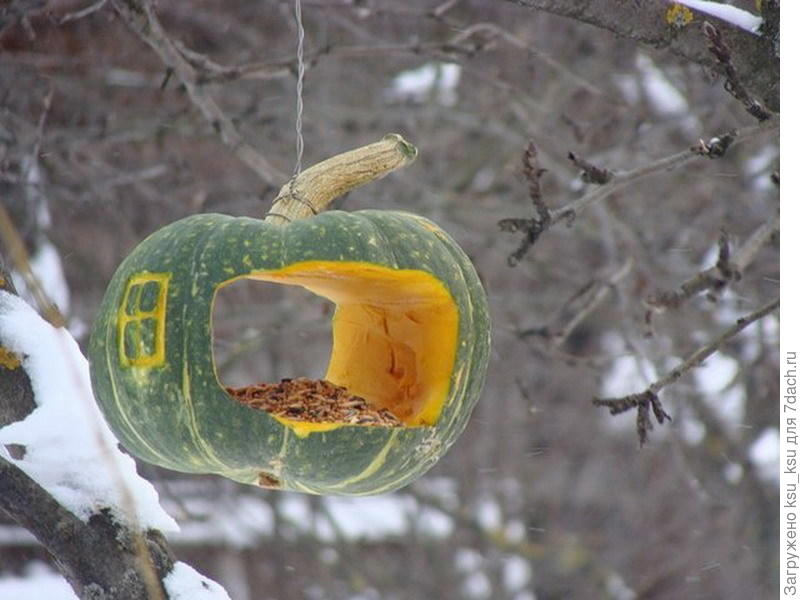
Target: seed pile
[313,401]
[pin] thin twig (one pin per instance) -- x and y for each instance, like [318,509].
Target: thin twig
[83,12]
[575,310]
[727,269]
[19,257]
[541,220]
[648,400]
[733,84]
[140,16]
[534,228]
[590,173]
[624,178]
[717,146]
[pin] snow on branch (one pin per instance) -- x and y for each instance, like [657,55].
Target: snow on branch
[63,477]
[69,449]
[725,12]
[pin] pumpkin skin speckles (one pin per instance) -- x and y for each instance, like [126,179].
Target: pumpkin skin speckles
[407,298]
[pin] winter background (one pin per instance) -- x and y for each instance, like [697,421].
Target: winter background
[545,496]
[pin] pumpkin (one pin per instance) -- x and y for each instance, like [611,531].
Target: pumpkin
[410,335]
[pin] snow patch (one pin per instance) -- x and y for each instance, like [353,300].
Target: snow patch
[765,454]
[714,379]
[725,12]
[487,512]
[664,96]
[692,430]
[666,99]
[69,449]
[516,573]
[627,375]
[49,272]
[733,473]
[184,583]
[38,583]
[467,559]
[368,518]
[716,373]
[435,81]
[477,585]
[617,589]
[237,522]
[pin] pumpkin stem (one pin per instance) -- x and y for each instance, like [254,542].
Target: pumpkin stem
[311,191]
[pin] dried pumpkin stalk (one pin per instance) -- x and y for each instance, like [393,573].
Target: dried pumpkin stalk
[313,401]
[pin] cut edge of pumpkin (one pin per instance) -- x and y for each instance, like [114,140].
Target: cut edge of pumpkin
[395,335]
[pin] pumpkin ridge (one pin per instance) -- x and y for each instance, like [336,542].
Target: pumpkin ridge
[382,236]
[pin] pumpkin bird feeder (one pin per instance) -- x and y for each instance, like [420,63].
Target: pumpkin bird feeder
[409,353]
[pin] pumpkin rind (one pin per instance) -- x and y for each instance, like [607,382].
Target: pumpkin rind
[166,404]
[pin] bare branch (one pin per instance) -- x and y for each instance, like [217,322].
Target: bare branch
[648,400]
[540,222]
[716,146]
[84,12]
[645,22]
[623,179]
[733,84]
[727,268]
[100,557]
[577,308]
[533,228]
[140,16]
[590,173]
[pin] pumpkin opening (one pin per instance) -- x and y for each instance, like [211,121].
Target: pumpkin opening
[394,336]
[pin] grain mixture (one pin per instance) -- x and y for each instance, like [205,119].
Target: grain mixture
[313,401]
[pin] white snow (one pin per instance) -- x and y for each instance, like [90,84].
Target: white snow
[662,93]
[477,585]
[432,81]
[467,559]
[714,378]
[765,454]
[38,583]
[367,518]
[487,512]
[516,573]
[692,430]
[515,531]
[733,473]
[617,589]
[664,96]
[629,87]
[716,373]
[69,449]
[234,521]
[759,163]
[725,12]
[184,583]
[627,375]
[46,266]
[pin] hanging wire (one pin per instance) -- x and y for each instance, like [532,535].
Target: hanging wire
[301,69]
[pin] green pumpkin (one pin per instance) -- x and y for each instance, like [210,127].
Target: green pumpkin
[410,334]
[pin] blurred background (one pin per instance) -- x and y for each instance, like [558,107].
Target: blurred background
[545,495]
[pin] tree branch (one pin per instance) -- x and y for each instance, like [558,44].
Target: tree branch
[616,181]
[648,400]
[645,22]
[728,268]
[140,16]
[100,558]
[578,307]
